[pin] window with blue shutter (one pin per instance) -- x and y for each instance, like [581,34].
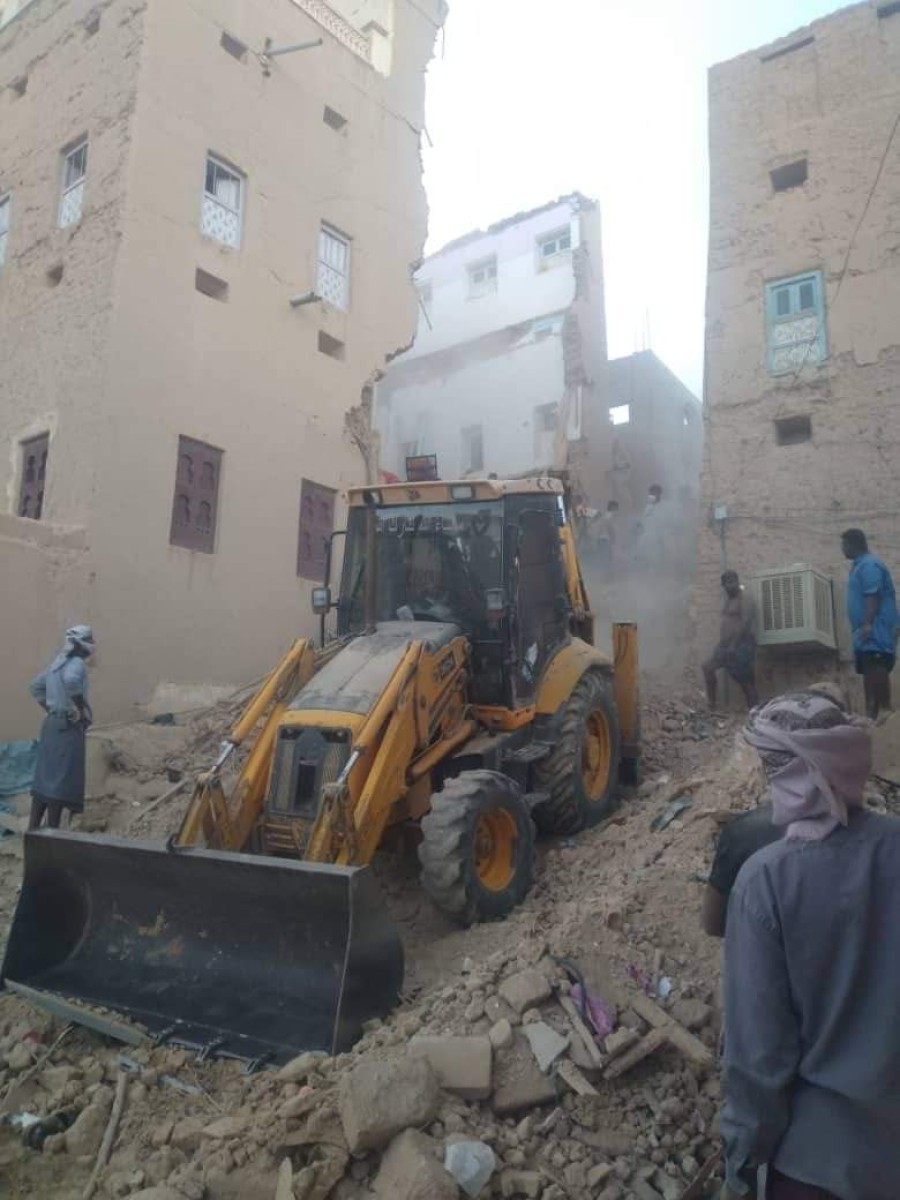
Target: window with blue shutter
[795,323]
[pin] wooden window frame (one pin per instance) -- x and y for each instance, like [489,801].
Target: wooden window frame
[193,486]
[311,559]
[791,286]
[32,485]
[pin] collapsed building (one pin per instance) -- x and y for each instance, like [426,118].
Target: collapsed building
[802,350]
[509,370]
[510,349]
[206,230]
[654,425]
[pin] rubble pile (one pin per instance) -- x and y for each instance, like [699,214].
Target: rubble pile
[495,1061]
[567,1052]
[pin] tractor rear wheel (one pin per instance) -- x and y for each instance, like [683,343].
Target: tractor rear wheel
[477,849]
[581,772]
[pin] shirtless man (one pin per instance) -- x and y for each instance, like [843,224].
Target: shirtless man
[736,649]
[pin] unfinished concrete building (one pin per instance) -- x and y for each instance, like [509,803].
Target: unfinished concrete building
[802,342]
[510,350]
[655,428]
[205,249]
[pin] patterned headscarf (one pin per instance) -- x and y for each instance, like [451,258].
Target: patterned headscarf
[816,759]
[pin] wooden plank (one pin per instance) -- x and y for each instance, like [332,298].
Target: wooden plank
[683,1041]
[648,1044]
[581,1029]
[568,1072]
[697,1186]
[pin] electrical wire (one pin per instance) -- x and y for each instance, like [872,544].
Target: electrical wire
[850,246]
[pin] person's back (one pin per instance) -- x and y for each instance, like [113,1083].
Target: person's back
[812,1056]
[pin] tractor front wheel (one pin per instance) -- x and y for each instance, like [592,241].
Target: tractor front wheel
[581,772]
[477,849]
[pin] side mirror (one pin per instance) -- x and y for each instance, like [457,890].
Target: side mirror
[321,600]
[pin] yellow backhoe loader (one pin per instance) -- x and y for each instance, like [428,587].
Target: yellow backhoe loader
[462,693]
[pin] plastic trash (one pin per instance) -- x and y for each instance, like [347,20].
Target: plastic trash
[471,1164]
[594,1011]
[20,1120]
[664,987]
[17,763]
[672,810]
[642,980]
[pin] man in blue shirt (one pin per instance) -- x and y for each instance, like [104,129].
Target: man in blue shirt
[874,620]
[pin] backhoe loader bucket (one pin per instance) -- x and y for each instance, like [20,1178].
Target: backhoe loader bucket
[233,954]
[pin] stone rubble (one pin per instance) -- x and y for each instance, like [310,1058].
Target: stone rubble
[473,1054]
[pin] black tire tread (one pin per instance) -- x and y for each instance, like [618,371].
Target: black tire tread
[566,811]
[444,853]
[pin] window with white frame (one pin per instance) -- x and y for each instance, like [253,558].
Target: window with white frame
[5,206]
[795,318]
[482,277]
[223,200]
[333,281]
[552,246]
[74,170]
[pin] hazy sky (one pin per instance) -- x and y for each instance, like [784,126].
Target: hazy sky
[529,101]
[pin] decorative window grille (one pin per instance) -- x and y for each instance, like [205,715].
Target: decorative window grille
[333,283]
[223,197]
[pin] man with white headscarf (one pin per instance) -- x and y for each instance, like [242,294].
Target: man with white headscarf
[62,691]
[812,973]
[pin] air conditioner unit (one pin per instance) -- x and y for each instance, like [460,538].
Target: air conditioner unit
[795,606]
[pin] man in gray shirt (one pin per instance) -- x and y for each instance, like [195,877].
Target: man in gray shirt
[812,973]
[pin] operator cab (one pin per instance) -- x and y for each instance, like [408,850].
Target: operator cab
[482,556]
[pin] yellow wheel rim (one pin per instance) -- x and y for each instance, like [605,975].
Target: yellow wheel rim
[595,755]
[495,849]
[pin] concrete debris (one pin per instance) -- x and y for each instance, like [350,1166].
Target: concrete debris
[225,1127]
[462,1065]
[546,1044]
[619,1041]
[500,1034]
[692,1014]
[380,1099]
[410,1171]
[21,1057]
[284,1187]
[518,1082]
[570,1074]
[459,1062]
[85,1135]
[471,1164]
[525,990]
[521,1183]
[301,1067]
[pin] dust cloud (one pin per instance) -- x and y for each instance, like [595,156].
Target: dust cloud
[645,573]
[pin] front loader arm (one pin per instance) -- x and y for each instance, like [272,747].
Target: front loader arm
[226,823]
[418,719]
[348,831]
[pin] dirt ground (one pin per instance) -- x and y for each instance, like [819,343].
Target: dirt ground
[620,901]
[616,899]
